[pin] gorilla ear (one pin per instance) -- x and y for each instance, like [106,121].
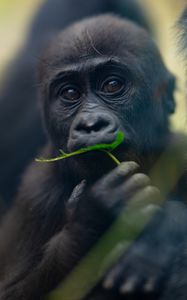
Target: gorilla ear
[169,101]
[165,92]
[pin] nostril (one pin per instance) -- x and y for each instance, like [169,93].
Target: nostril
[100,125]
[89,127]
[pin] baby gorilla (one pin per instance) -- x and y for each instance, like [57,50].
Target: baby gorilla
[98,77]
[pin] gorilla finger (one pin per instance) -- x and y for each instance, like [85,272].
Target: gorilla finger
[147,198]
[151,285]
[143,205]
[142,208]
[133,185]
[119,174]
[76,195]
[111,277]
[129,285]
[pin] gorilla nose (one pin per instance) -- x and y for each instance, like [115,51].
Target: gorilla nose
[95,124]
[91,129]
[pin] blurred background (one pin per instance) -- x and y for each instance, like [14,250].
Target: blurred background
[21,38]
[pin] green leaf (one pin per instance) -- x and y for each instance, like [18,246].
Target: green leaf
[98,147]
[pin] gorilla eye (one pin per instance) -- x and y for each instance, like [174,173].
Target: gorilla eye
[112,86]
[71,94]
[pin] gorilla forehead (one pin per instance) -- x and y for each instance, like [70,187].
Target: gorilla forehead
[104,35]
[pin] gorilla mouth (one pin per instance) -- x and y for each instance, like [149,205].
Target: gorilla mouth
[76,144]
[78,147]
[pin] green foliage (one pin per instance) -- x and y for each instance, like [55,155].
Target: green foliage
[107,148]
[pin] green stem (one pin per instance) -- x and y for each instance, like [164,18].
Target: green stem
[113,157]
[77,153]
[57,158]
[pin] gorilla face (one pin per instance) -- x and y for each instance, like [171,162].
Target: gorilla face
[103,75]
